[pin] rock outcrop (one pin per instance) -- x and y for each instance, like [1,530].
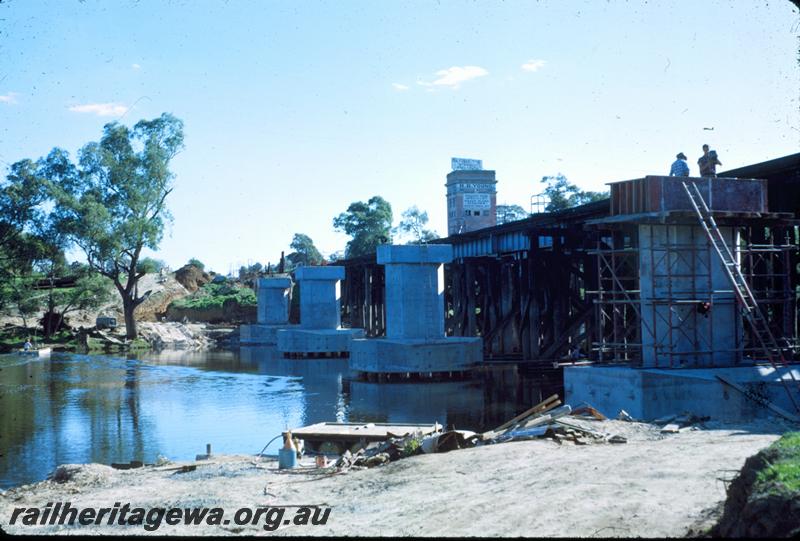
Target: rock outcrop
[191,277]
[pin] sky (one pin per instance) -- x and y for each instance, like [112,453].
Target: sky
[293,110]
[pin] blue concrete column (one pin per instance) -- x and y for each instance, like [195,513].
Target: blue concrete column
[273,300]
[320,297]
[415,289]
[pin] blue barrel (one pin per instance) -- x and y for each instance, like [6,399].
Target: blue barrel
[287,459]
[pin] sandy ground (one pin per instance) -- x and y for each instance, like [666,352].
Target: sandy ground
[655,485]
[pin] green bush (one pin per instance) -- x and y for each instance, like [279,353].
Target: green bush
[214,296]
[785,471]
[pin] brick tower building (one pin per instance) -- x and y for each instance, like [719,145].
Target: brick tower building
[471,197]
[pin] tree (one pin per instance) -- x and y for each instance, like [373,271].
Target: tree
[27,240]
[369,224]
[113,204]
[305,253]
[196,263]
[20,198]
[20,293]
[151,265]
[413,225]
[510,213]
[563,194]
[90,292]
[249,274]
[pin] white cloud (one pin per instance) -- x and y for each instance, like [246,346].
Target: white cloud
[399,87]
[533,65]
[454,76]
[136,66]
[11,97]
[101,109]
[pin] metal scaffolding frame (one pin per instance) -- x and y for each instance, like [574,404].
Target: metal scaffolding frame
[617,304]
[765,256]
[679,310]
[768,257]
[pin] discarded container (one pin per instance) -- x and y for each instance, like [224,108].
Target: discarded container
[287,456]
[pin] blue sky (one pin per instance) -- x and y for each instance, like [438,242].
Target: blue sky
[293,110]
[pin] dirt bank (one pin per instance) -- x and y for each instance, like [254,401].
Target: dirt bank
[764,499]
[655,485]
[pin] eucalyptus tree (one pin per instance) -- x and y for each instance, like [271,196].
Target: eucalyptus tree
[414,224]
[369,224]
[305,253]
[563,194]
[112,203]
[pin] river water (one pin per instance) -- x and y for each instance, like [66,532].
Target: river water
[74,408]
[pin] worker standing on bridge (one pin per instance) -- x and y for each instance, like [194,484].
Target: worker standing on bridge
[679,167]
[708,163]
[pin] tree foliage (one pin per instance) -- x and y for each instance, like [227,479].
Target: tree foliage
[150,265]
[112,204]
[510,213]
[305,253]
[18,292]
[22,195]
[413,225]
[90,292]
[369,224]
[563,194]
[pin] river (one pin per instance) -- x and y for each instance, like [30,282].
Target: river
[75,408]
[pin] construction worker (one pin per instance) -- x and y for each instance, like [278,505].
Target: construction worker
[679,167]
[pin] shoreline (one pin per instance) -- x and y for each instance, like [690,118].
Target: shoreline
[655,485]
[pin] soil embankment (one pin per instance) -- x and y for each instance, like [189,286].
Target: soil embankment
[655,485]
[764,499]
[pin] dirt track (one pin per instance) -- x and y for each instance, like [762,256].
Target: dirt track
[655,485]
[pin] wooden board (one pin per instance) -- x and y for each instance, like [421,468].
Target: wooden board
[358,431]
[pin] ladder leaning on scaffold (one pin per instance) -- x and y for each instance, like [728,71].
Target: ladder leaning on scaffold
[750,309]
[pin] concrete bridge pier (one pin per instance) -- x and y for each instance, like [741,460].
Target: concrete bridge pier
[319,332]
[415,339]
[273,295]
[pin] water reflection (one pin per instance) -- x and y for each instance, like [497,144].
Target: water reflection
[99,408]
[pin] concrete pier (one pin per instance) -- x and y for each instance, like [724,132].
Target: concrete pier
[651,393]
[320,329]
[415,340]
[274,296]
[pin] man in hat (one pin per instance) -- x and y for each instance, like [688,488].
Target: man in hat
[679,167]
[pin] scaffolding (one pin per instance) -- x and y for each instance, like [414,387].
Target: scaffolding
[681,300]
[617,302]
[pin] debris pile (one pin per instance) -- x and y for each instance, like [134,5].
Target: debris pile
[395,448]
[548,420]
